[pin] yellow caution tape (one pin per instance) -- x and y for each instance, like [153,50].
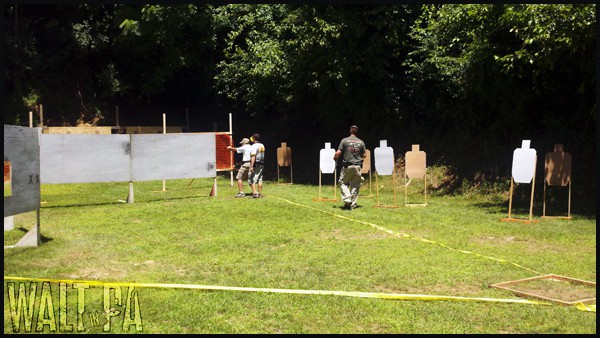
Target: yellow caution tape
[405,235]
[579,306]
[584,307]
[399,296]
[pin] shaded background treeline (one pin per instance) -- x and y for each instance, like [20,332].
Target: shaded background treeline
[466,82]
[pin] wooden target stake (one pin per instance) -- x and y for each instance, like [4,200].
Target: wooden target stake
[366,168]
[523,171]
[284,159]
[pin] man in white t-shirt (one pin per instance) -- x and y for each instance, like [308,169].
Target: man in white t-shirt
[242,174]
[257,165]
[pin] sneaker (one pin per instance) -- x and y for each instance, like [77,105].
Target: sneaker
[240,194]
[354,206]
[347,206]
[255,195]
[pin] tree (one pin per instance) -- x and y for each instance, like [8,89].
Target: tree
[491,75]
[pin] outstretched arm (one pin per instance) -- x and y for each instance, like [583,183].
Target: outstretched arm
[337,155]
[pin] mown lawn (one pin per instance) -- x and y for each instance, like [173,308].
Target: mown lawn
[453,247]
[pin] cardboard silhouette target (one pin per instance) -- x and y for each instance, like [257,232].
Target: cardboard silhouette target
[523,171]
[415,168]
[284,159]
[327,166]
[384,166]
[557,172]
[366,169]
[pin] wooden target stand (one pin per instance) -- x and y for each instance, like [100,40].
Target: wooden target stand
[320,198]
[558,173]
[366,169]
[284,159]
[415,169]
[384,166]
[523,171]
[378,204]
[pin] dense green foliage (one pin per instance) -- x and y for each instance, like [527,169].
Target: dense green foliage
[466,82]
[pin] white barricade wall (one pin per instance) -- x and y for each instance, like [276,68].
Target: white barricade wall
[172,156]
[74,158]
[81,158]
[22,150]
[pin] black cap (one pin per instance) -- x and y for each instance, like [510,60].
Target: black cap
[256,136]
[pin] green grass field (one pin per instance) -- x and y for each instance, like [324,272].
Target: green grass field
[456,246]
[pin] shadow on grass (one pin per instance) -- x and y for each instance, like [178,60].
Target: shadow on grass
[521,207]
[121,202]
[43,238]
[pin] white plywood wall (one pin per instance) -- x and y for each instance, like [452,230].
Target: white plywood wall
[21,149]
[120,158]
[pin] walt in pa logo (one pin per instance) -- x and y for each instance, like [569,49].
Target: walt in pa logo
[56,307]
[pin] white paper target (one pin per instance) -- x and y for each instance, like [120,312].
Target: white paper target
[384,159]
[326,161]
[523,166]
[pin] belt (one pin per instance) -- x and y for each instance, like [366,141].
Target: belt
[245,161]
[350,164]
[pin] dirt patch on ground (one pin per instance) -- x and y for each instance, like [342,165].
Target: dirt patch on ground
[560,290]
[459,290]
[99,274]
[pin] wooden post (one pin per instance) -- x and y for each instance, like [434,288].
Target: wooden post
[164,132]
[130,196]
[30,119]
[532,189]
[41,115]
[394,179]
[544,201]
[569,205]
[320,183]
[187,119]
[510,198]
[334,184]
[377,187]
[425,185]
[231,157]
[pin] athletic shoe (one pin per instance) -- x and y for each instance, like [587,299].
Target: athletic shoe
[347,206]
[255,195]
[240,194]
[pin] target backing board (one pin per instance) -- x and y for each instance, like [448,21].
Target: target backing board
[384,159]
[326,161]
[366,167]
[523,165]
[284,155]
[415,162]
[558,167]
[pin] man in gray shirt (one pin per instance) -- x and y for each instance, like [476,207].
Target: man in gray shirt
[353,152]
